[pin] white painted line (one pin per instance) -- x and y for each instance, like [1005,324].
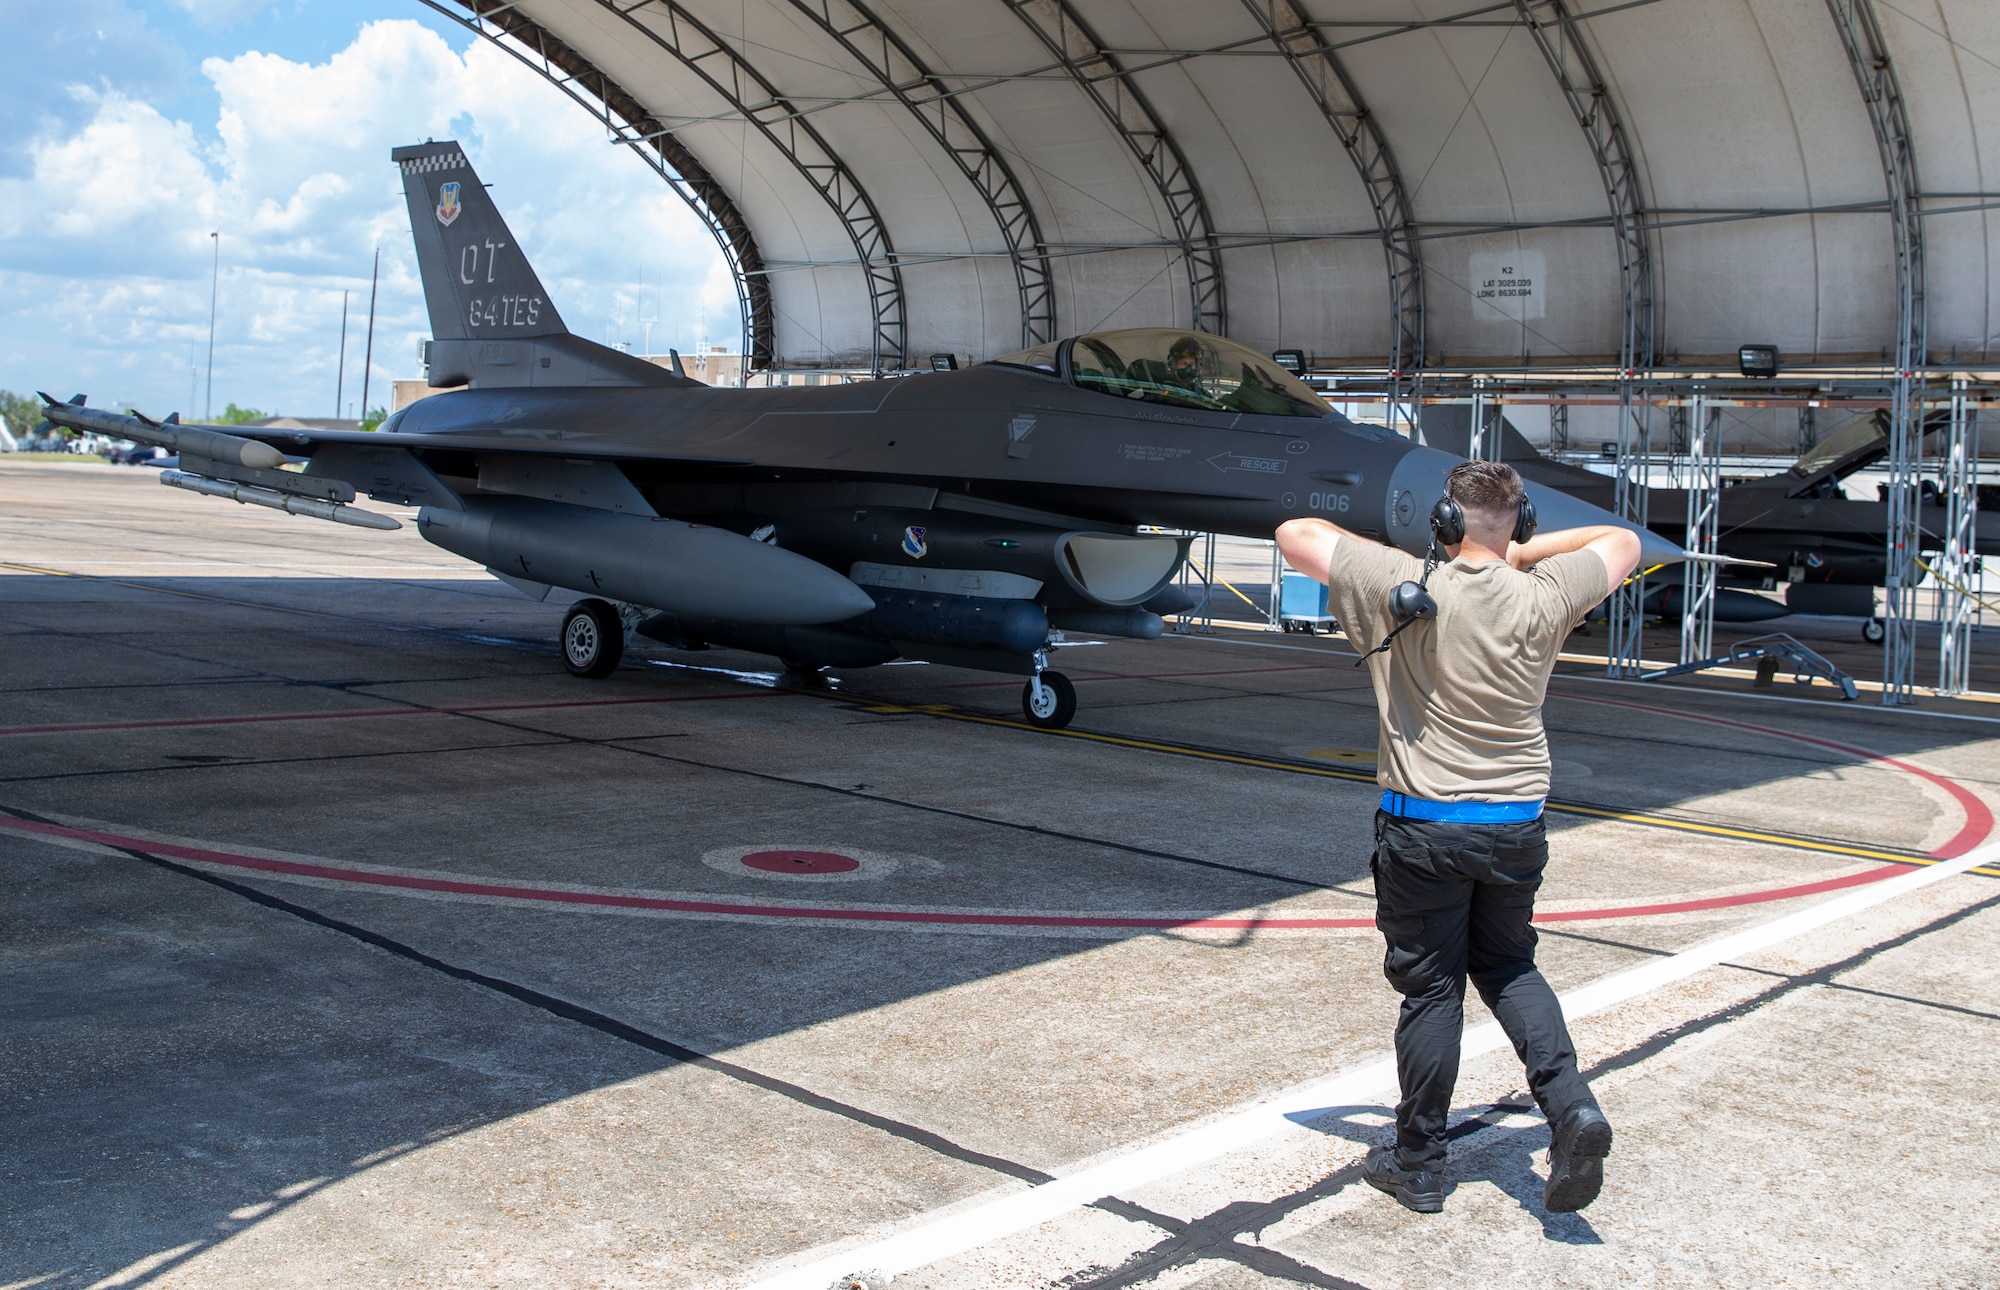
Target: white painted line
[956,1233]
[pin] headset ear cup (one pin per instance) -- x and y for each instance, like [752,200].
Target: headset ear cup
[1448,521]
[1524,520]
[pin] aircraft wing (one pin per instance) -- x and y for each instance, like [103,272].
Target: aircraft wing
[249,465]
[172,432]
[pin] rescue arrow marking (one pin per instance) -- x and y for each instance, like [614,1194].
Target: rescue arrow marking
[1228,461]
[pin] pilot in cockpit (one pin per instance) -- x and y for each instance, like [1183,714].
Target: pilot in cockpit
[1184,364]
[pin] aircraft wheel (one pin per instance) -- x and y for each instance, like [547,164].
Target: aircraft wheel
[593,639]
[808,676]
[1873,631]
[1058,702]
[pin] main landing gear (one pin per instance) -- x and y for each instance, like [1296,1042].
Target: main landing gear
[593,639]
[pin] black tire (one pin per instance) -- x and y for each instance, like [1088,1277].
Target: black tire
[1873,631]
[1059,713]
[807,676]
[593,639]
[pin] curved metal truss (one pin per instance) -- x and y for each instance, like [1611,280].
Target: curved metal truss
[1326,78]
[628,121]
[1868,55]
[1117,95]
[901,73]
[1559,36]
[669,27]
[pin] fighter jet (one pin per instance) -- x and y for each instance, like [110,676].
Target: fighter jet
[1794,530]
[962,517]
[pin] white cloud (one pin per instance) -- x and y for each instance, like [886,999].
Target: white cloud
[221,13]
[105,248]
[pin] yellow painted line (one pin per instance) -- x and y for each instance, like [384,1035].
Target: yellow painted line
[1599,660]
[1642,818]
[1178,750]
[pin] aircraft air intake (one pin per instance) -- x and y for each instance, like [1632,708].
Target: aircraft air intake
[1119,568]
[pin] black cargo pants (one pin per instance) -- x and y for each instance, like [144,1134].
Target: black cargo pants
[1455,900]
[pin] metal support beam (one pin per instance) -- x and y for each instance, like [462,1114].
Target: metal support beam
[1704,530]
[628,121]
[1631,499]
[1957,572]
[670,28]
[1868,55]
[1116,93]
[1485,441]
[1326,79]
[1559,35]
[903,75]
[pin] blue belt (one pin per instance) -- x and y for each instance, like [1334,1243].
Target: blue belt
[1418,808]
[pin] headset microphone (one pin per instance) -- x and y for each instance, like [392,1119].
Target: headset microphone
[1409,602]
[1412,600]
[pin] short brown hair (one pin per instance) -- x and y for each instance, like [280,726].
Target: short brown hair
[1492,487]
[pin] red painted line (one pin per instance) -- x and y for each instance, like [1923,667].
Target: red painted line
[174,722]
[510,891]
[1978,816]
[1861,879]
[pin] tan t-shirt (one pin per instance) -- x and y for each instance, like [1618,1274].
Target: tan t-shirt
[1460,696]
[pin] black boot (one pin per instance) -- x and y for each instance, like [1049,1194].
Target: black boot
[1577,1147]
[1419,1189]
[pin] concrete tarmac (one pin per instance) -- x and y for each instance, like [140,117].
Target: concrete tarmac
[348,940]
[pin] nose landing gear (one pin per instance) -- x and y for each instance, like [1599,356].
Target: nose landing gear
[1048,699]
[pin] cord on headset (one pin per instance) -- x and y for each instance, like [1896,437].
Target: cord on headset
[1424,582]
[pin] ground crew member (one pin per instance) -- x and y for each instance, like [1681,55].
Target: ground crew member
[1460,666]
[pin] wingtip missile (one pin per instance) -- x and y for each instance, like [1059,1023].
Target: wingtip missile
[1699,557]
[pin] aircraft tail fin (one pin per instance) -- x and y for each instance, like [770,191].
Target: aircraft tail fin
[492,322]
[476,280]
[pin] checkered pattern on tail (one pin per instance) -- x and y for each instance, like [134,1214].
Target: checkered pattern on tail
[426,165]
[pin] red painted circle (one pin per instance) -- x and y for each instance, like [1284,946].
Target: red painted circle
[801,862]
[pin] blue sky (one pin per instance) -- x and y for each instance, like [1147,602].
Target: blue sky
[133,128]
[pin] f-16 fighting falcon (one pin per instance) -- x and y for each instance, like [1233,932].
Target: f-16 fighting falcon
[961,517]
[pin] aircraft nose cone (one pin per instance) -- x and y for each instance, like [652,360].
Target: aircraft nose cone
[1418,481]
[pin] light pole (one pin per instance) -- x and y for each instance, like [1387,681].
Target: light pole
[368,358]
[214,286]
[340,381]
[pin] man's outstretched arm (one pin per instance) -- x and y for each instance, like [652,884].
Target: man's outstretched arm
[1617,547]
[1308,544]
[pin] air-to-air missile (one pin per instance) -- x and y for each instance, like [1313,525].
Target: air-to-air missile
[961,517]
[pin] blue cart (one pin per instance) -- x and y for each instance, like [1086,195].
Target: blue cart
[1302,604]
